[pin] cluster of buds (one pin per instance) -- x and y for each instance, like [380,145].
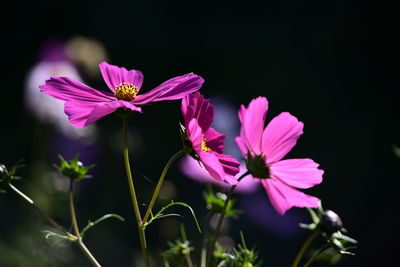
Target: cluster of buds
[329,224]
[177,254]
[241,256]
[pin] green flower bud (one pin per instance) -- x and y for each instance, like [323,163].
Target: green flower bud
[73,169]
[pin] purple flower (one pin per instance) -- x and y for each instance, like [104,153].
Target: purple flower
[207,145]
[264,150]
[85,105]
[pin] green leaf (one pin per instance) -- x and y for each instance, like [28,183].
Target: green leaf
[310,226]
[160,214]
[49,234]
[313,215]
[344,237]
[105,217]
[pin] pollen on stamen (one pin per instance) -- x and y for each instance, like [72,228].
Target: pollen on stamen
[204,146]
[125,91]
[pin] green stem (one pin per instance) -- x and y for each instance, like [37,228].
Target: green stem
[135,204]
[221,219]
[72,210]
[189,260]
[305,247]
[315,256]
[159,184]
[74,221]
[203,257]
[41,213]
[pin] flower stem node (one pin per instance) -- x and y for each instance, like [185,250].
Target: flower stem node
[330,222]
[73,169]
[257,167]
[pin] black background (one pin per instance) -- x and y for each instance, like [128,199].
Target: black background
[331,63]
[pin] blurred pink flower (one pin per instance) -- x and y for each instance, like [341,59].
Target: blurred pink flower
[264,150]
[53,62]
[85,105]
[207,145]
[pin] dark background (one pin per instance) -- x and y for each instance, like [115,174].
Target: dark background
[333,64]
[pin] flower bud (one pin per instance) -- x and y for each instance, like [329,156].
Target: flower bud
[73,169]
[330,222]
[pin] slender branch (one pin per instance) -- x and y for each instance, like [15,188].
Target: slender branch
[41,213]
[142,236]
[305,247]
[74,238]
[159,184]
[88,254]
[221,218]
[315,256]
[74,221]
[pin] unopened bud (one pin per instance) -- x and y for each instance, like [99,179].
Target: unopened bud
[330,222]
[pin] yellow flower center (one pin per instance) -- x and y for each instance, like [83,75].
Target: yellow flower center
[126,91]
[204,146]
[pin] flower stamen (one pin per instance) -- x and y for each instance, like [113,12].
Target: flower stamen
[204,146]
[126,91]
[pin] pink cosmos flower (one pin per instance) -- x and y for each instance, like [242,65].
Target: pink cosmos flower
[264,150]
[207,145]
[192,169]
[85,105]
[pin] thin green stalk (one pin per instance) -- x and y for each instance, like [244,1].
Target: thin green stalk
[315,256]
[74,221]
[74,238]
[142,236]
[189,260]
[305,247]
[41,213]
[72,210]
[159,184]
[184,238]
[203,257]
[221,218]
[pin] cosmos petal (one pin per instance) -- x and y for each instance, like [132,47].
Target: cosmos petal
[215,168]
[66,89]
[252,119]
[280,136]
[82,114]
[300,173]
[195,106]
[284,197]
[214,140]
[229,163]
[195,134]
[175,88]
[114,76]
